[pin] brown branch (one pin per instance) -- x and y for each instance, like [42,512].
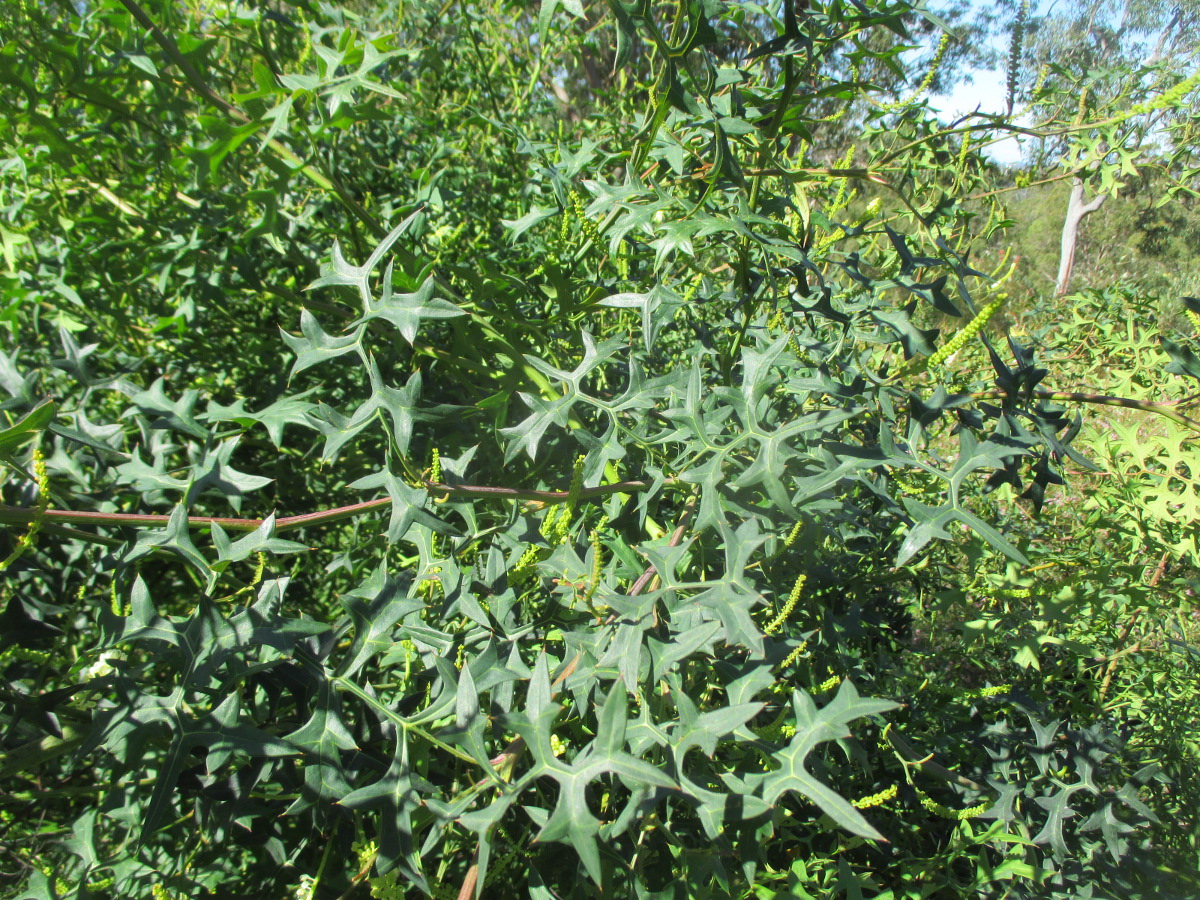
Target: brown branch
[475,490]
[1111,669]
[15,515]
[467,891]
[169,47]
[867,174]
[1020,187]
[680,529]
[1160,408]
[23,515]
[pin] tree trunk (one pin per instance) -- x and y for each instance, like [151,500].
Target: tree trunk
[1076,210]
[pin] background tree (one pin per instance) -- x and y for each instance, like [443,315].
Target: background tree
[1128,67]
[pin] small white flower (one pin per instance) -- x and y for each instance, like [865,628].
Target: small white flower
[101,666]
[304,890]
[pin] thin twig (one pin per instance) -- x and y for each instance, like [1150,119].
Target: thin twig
[475,490]
[1160,408]
[23,515]
[1111,669]
[832,172]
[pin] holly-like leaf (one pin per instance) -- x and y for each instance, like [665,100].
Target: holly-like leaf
[405,311]
[219,730]
[314,346]
[408,504]
[375,607]
[1183,360]
[162,412]
[322,741]
[175,538]
[535,215]
[294,409]
[261,540]
[214,472]
[397,796]
[571,821]
[815,726]
[27,427]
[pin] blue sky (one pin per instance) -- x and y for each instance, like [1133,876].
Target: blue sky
[987,94]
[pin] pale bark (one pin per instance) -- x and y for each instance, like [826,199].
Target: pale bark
[1076,210]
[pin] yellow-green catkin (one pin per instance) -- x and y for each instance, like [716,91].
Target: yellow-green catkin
[549,522]
[995,690]
[1081,108]
[964,149]
[971,329]
[907,485]
[27,540]
[259,567]
[888,793]
[305,37]
[794,346]
[623,261]
[792,535]
[576,485]
[946,812]
[793,598]
[845,107]
[1008,273]
[794,657]
[14,653]
[557,524]
[523,570]
[435,466]
[1167,98]
[1014,54]
[872,210]
[1043,74]
[934,66]
[597,562]
[435,477]
[564,225]
[590,231]
[828,684]
[840,199]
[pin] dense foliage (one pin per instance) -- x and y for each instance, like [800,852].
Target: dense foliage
[487,449]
